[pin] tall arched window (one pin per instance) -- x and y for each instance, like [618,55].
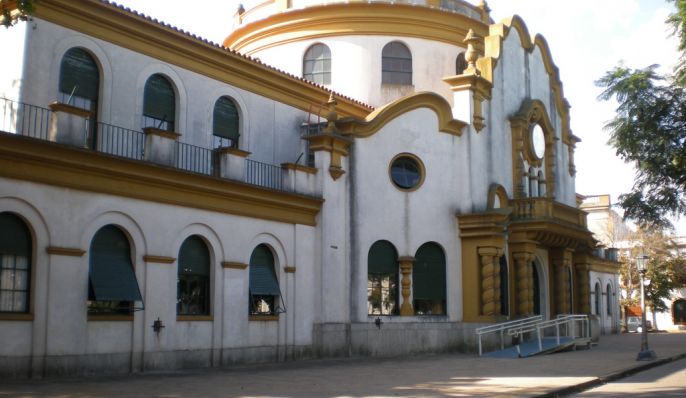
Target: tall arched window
[317,64]
[112,287]
[504,287]
[396,64]
[597,294]
[541,184]
[193,283]
[533,183]
[79,80]
[225,123]
[159,103]
[428,280]
[15,264]
[608,300]
[382,279]
[264,287]
[460,64]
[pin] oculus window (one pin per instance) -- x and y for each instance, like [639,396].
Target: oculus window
[382,279]
[317,64]
[225,123]
[112,284]
[428,280]
[264,287]
[406,172]
[159,103]
[193,282]
[15,264]
[396,64]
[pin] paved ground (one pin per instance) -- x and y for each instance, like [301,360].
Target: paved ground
[453,375]
[664,381]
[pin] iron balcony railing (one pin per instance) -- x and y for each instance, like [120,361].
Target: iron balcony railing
[24,119]
[33,121]
[263,174]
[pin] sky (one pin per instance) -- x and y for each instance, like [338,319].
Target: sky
[586,38]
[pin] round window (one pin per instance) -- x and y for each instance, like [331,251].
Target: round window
[406,172]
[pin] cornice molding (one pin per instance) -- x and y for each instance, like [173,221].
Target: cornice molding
[65,251]
[44,162]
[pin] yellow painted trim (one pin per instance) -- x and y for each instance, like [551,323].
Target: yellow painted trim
[109,318]
[65,251]
[358,18]
[263,318]
[115,25]
[161,133]
[158,259]
[194,318]
[289,270]
[234,265]
[9,316]
[381,116]
[72,110]
[44,162]
[233,151]
[299,167]
[497,190]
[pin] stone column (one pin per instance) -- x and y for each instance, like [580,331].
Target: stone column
[490,300]
[524,291]
[582,287]
[406,263]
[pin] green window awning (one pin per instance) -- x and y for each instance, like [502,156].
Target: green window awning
[262,277]
[111,272]
[428,273]
[382,258]
[79,74]
[194,258]
[159,99]
[15,237]
[225,120]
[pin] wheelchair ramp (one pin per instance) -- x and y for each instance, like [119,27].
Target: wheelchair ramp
[531,348]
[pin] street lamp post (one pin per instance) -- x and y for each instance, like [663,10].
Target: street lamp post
[646,354]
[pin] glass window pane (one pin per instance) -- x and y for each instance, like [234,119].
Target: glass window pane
[317,64]
[6,301]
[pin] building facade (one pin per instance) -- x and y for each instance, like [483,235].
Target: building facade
[166,202]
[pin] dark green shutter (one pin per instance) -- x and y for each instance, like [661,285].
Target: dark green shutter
[111,272]
[225,119]
[15,237]
[78,69]
[262,278]
[382,258]
[194,258]
[159,100]
[428,274]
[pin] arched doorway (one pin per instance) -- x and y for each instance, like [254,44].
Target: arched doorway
[679,312]
[537,289]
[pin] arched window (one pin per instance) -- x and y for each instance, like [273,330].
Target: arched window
[79,80]
[225,123]
[159,103]
[382,279]
[679,312]
[597,294]
[193,283]
[504,287]
[541,184]
[15,264]
[533,183]
[317,64]
[428,280]
[396,64]
[264,287]
[112,284]
[460,64]
[609,300]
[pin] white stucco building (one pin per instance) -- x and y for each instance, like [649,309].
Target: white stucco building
[366,178]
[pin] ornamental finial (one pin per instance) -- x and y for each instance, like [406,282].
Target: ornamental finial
[472,53]
[331,115]
[485,11]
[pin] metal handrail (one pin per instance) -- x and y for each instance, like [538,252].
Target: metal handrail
[263,174]
[503,327]
[24,119]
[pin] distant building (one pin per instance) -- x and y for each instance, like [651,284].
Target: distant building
[166,202]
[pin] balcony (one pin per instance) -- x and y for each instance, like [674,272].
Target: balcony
[35,122]
[548,209]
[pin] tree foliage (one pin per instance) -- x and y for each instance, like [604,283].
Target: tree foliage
[12,11]
[649,131]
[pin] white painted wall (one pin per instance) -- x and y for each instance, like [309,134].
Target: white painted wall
[13,44]
[609,323]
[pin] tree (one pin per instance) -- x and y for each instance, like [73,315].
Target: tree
[12,11]
[649,130]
